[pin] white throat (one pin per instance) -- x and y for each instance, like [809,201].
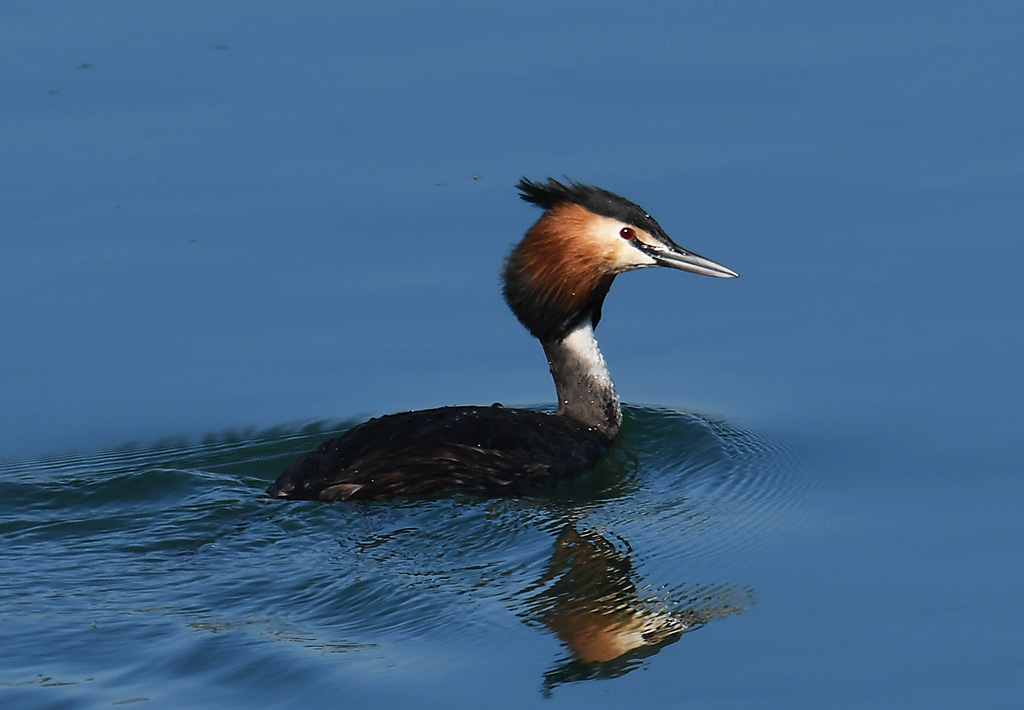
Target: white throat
[584,387]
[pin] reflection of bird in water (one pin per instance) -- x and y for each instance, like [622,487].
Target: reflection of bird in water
[555,281]
[592,603]
[596,608]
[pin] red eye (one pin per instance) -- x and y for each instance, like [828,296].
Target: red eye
[627,233]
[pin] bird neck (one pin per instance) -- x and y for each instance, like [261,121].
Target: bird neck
[584,387]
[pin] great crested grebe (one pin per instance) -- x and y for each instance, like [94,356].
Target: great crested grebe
[555,281]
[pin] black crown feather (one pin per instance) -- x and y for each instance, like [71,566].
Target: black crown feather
[600,202]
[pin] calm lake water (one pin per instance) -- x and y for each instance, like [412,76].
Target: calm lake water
[230,231]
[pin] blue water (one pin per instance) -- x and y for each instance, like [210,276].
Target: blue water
[230,230]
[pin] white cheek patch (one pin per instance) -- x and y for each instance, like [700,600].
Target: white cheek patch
[639,258]
[617,252]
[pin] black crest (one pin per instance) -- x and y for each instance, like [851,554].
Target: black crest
[601,202]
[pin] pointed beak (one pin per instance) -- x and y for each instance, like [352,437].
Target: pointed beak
[675,257]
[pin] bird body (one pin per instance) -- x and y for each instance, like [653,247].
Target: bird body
[477,450]
[555,281]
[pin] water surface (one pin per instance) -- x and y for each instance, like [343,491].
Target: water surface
[165,549]
[223,222]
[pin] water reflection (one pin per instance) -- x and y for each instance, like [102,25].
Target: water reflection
[616,566]
[608,620]
[679,490]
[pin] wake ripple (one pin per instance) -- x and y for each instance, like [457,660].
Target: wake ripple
[614,566]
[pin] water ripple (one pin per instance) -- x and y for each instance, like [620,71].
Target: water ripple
[612,567]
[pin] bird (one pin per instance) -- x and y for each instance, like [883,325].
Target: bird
[555,282]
